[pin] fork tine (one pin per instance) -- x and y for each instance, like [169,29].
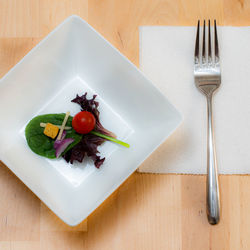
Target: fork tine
[197,44]
[204,43]
[216,46]
[209,44]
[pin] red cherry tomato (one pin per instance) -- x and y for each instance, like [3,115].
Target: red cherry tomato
[83,122]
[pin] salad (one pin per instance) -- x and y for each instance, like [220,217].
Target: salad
[73,138]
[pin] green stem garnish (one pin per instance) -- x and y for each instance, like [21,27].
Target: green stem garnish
[110,138]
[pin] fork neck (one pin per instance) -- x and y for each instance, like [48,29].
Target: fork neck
[209,105]
[208,90]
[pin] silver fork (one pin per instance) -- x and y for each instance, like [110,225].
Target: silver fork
[207,77]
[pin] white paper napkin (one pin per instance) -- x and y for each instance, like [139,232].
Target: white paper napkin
[166,57]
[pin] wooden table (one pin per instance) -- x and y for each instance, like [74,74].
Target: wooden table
[148,211]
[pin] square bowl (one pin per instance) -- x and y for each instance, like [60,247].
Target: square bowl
[74,59]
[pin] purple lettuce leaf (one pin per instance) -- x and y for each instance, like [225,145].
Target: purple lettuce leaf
[86,147]
[89,143]
[91,106]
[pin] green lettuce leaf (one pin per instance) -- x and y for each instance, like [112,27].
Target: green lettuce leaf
[41,144]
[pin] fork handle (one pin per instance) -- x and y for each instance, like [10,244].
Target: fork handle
[213,196]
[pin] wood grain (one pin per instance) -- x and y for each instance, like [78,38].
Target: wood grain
[148,211]
[19,210]
[53,12]
[168,212]
[12,50]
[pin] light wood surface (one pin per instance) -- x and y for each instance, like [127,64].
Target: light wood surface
[148,211]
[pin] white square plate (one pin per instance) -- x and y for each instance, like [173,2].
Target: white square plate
[71,60]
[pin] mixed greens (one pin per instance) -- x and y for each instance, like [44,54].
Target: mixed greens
[73,138]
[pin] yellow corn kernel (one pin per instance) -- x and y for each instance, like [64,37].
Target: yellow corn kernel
[51,130]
